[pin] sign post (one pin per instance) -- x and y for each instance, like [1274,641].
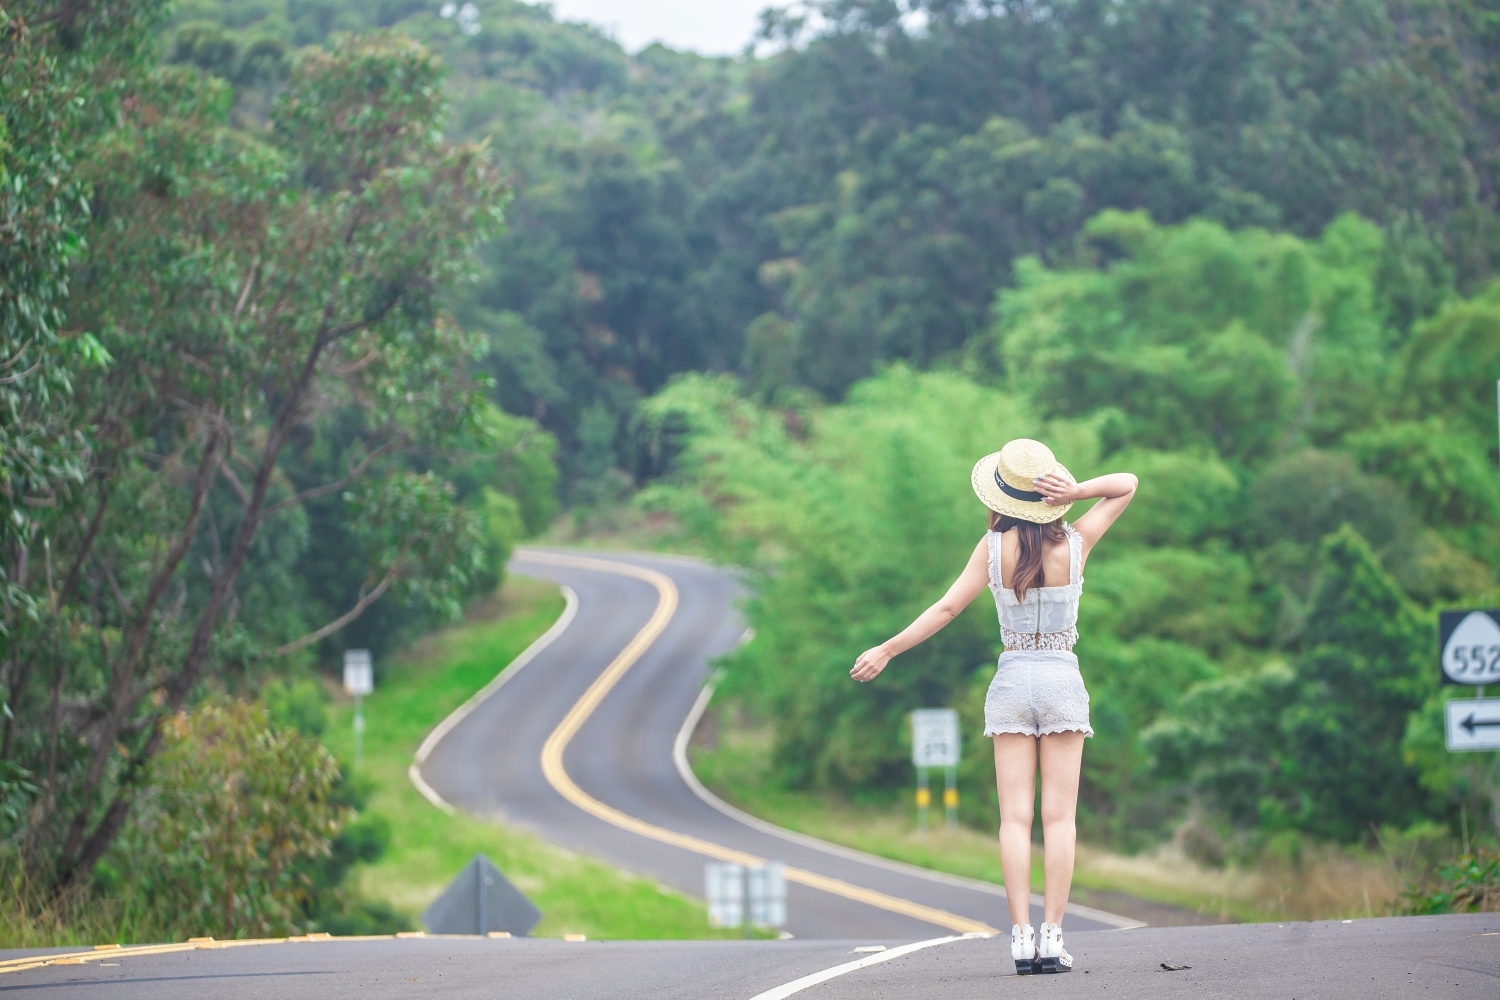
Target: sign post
[1469,653]
[359,680]
[934,743]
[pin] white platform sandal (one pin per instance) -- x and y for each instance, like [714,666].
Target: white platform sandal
[1051,955]
[1023,948]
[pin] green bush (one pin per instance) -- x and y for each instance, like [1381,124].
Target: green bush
[234,811]
[1469,883]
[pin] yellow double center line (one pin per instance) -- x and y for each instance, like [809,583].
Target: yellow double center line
[557,742]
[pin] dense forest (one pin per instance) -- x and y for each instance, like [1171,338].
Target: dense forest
[857,199]
[312,308]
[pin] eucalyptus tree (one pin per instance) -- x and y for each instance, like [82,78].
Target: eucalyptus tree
[249,288]
[61,66]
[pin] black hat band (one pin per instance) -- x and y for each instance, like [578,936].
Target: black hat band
[1014,493]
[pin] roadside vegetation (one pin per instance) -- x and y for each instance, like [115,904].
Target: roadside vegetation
[1323,882]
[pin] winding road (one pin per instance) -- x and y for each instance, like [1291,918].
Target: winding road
[583,740]
[582,745]
[578,745]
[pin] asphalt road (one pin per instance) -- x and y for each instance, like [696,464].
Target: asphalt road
[490,764]
[1406,957]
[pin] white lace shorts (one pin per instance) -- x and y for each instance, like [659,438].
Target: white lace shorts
[1036,692]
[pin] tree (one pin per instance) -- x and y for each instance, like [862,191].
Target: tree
[61,70]
[248,291]
[1318,747]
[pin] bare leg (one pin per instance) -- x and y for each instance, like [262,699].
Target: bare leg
[1015,780]
[1062,757]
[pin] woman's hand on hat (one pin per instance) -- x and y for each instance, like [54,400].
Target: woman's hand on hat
[1057,487]
[870,663]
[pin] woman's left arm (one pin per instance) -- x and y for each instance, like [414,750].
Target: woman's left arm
[970,582]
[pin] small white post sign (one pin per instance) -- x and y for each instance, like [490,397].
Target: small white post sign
[934,737]
[359,680]
[359,673]
[1472,724]
[934,743]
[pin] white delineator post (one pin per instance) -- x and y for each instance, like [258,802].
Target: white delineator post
[359,680]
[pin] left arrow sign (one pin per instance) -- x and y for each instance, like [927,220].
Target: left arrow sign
[1472,724]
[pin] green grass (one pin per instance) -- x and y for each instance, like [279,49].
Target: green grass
[576,895]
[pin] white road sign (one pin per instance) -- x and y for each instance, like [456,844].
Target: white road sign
[724,885]
[727,891]
[934,737]
[1473,723]
[1471,646]
[359,675]
[767,894]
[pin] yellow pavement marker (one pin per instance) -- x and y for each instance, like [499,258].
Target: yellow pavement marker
[557,776]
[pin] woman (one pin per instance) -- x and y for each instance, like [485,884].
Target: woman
[1036,706]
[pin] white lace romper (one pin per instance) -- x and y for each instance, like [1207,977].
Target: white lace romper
[1037,687]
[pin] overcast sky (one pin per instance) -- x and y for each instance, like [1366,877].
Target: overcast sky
[712,27]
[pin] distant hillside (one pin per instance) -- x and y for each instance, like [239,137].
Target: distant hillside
[860,197]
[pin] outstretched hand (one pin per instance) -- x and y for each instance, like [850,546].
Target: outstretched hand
[1057,487]
[870,663]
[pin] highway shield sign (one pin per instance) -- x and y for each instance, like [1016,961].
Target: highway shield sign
[1469,645]
[1473,723]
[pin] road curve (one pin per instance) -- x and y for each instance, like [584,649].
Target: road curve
[578,747]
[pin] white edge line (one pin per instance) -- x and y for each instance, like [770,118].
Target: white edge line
[622,555]
[798,985]
[685,771]
[442,729]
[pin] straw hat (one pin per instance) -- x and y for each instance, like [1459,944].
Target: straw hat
[1006,481]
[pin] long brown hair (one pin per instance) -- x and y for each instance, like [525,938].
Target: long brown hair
[1032,537]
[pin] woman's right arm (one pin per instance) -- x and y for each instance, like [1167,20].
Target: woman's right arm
[1116,490]
[967,587]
